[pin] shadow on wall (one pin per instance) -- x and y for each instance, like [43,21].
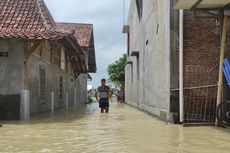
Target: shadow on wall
[9,107]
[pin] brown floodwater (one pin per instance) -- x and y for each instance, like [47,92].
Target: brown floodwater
[123,130]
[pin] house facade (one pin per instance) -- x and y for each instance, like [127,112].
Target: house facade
[43,67]
[152,70]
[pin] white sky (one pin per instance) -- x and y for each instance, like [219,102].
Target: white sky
[107,17]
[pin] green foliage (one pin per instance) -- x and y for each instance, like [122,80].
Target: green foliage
[116,72]
[89,98]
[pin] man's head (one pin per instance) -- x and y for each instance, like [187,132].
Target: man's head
[103,81]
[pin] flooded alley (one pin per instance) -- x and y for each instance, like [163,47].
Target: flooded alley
[123,130]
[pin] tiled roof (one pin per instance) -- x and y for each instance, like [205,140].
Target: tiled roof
[31,19]
[27,19]
[83,32]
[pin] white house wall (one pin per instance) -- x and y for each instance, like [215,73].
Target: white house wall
[151,38]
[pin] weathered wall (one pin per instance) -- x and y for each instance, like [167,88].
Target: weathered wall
[53,73]
[11,78]
[156,37]
[81,84]
[201,63]
[11,67]
[201,50]
[150,89]
[201,58]
[174,60]
[12,82]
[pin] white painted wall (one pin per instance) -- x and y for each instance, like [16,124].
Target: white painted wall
[151,92]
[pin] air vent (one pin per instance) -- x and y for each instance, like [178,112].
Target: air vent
[147,42]
[3,54]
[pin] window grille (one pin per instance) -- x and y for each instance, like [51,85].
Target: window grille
[42,84]
[61,88]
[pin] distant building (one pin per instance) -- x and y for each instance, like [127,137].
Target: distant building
[40,58]
[152,70]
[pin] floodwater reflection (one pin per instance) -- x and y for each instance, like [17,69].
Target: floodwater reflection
[123,130]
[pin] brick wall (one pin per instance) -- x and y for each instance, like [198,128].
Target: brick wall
[201,63]
[201,50]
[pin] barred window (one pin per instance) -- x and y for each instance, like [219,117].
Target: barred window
[42,83]
[61,88]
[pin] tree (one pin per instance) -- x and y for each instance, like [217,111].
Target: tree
[116,72]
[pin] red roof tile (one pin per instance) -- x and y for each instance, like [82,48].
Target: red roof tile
[27,19]
[84,35]
[31,19]
[83,32]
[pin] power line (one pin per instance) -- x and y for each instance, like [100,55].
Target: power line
[124,11]
[124,16]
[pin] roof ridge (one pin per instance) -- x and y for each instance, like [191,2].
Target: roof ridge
[43,16]
[74,23]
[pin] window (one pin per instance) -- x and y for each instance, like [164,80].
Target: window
[139,7]
[128,44]
[42,88]
[3,54]
[46,52]
[138,68]
[63,59]
[69,68]
[56,56]
[61,88]
[132,72]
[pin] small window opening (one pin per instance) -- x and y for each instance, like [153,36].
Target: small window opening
[139,7]
[138,68]
[3,54]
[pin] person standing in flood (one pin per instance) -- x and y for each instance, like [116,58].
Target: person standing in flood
[103,95]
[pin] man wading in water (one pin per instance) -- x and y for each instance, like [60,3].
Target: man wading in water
[103,95]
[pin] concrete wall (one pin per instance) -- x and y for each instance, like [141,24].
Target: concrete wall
[81,84]
[11,78]
[12,82]
[156,37]
[150,36]
[11,67]
[53,73]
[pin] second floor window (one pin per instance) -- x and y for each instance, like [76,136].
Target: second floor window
[139,7]
[63,59]
[61,88]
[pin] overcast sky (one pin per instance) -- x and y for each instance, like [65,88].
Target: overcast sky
[107,18]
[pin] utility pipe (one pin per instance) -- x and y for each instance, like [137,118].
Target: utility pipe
[181,65]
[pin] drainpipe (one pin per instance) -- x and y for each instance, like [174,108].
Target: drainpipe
[181,65]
